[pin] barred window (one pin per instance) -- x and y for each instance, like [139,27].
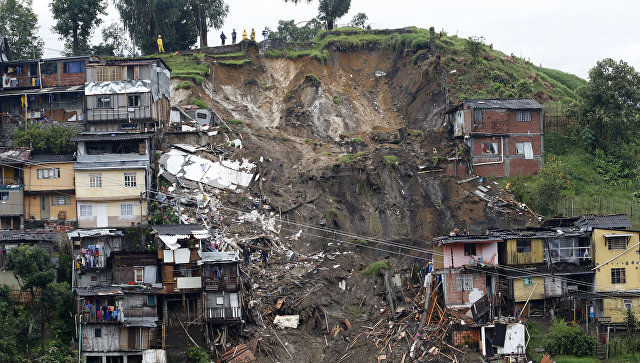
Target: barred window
[618,276]
[138,274]
[95,180]
[86,210]
[126,209]
[617,243]
[528,281]
[464,282]
[130,179]
[523,116]
[58,200]
[523,245]
[108,74]
[4,195]
[48,173]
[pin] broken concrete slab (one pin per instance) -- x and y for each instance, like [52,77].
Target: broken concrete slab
[287,321]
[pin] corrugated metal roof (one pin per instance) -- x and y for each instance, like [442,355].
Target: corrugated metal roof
[613,221]
[506,103]
[29,235]
[14,155]
[469,239]
[52,158]
[112,136]
[175,229]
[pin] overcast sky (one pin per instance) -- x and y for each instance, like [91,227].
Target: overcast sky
[563,34]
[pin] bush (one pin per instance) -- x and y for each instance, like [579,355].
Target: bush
[197,355]
[235,122]
[346,158]
[198,102]
[184,85]
[55,139]
[375,267]
[337,100]
[570,340]
[391,160]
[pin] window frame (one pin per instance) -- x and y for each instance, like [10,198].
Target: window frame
[125,207]
[523,116]
[464,282]
[477,112]
[523,246]
[55,200]
[138,272]
[151,300]
[487,151]
[95,180]
[103,105]
[527,281]
[49,68]
[134,98]
[617,246]
[520,151]
[627,303]
[83,213]
[66,65]
[470,249]
[4,196]
[619,275]
[48,173]
[132,181]
[97,332]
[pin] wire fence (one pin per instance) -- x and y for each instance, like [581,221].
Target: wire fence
[576,206]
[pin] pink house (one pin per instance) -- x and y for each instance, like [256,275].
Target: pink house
[462,251]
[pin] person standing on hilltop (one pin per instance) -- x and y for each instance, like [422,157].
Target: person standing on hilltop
[160,47]
[234,36]
[265,33]
[253,34]
[244,34]
[223,37]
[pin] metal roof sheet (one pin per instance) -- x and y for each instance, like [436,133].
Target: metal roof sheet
[608,221]
[112,136]
[47,158]
[506,103]
[14,155]
[177,229]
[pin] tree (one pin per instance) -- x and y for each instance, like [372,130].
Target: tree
[360,21]
[329,10]
[473,46]
[32,267]
[553,179]
[631,322]
[115,38]
[144,20]
[289,31]
[607,107]
[208,13]
[20,26]
[76,18]
[55,139]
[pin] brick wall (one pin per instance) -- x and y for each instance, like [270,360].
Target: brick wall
[514,164]
[63,79]
[455,297]
[504,121]
[72,79]
[462,336]
[49,80]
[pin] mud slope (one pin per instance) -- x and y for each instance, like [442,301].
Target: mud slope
[332,153]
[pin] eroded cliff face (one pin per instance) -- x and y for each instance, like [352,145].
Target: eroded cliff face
[355,144]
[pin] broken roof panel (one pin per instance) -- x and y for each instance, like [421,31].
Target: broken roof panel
[218,257]
[608,221]
[94,233]
[506,103]
[120,87]
[112,136]
[14,155]
[29,235]
[178,229]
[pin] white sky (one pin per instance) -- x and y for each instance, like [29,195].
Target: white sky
[569,35]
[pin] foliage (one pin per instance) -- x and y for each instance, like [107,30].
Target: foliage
[32,267]
[570,340]
[337,100]
[115,39]
[631,323]
[76,18]
[159,214]
[229,55]
[197,355]
[235,122]
[20,26]
[390,160]
[360,21]
[346,158]
[206,14]
[329,10]
[524,88]
[63,272]
[359,241]
[474,45]
[289,31]
[184,85]
[55,139]
[198,102]
[375,267]
[552,181]
[235,62]
[353,311]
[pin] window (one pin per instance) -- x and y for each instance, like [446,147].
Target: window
[490,148]
[617,243]
[126,209]
[464,282]
[95,180]
[104,102]
[4,195]
[138,274]
[86,210]
[528,281]
[73,67]
[130,126]
[469,249]
[523,245]
[627,303]
[130,180]
[58,200]
[618,276]
[133,101]
[49,68]
[477,116]
[33,69]
[48,173]
[97,332]
[151,300]
[108,74]
[521,147]
[130,72]
[523,116]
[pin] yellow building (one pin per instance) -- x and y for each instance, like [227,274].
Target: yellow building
[49,188]
[523,251]
[13,160]
[112,173]
[617,262]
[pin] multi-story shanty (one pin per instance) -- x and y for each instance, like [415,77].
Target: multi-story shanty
[505,135]
[117,299]
[13,160]
[130,95]
[49,188]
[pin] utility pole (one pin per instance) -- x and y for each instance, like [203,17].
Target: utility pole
[179,197]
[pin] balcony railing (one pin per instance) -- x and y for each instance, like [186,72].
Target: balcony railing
[224,313]
[11,181]
[221,284]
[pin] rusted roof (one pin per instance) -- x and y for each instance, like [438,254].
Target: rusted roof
[14,155]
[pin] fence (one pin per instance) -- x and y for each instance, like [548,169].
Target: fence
[576,206]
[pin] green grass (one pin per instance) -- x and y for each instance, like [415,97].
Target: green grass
[572,359]
[353,311]
[236,122]
[235,62]
[346,158]
[198,102]
[375,267]
[184,85]
[228,55]
[390,160]
[359,241]
[337,100]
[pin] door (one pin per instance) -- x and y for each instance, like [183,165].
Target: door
[45,207]
[133,338]
[101,215]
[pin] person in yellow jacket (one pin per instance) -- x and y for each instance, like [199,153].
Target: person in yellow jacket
[160,47]
[244,34]
[253,34]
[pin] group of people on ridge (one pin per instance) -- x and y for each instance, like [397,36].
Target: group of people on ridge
[234,35]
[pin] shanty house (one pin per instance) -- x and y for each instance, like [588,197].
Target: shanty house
[222,284]
[505,135]
[13,160]
[92,262]
[130,95]
[49,188]
[112,173]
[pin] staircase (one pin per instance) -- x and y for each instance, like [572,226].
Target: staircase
[601,350]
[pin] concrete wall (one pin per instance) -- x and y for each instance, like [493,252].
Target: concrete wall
[521,291]
[488,252]
[614,308]
[629,260]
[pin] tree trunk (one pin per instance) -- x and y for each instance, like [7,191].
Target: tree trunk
[330,23]
[203,32]
[75,40]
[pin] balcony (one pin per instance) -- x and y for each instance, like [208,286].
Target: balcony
[224,284]
[11,181]
[224,313]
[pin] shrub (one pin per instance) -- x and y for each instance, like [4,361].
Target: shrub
[346,158]
[197,355]
[235,122]
[184,85]
[198,102]
[375,267]
[390,160]
[570,340]
[359,241]
[337,100]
